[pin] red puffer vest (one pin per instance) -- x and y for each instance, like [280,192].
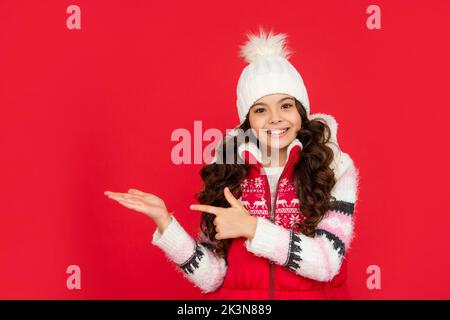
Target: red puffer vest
[252,277]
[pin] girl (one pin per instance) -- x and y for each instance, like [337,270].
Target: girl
[275,224]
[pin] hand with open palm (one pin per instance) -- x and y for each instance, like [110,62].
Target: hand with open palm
[146,203]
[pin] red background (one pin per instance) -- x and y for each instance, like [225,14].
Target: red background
[84,111]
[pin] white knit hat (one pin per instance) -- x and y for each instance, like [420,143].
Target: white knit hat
[268,72]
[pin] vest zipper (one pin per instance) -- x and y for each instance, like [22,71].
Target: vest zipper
[272,217]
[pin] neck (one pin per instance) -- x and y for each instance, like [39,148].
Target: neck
[276,157]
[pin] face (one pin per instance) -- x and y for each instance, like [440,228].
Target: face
[275,120]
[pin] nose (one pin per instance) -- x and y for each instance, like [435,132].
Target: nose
[275,118]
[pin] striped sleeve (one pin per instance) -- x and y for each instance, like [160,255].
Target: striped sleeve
[319,257]
[194,258]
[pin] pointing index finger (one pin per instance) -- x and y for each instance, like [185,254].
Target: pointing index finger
[205,208]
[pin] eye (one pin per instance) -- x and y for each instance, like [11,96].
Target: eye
[259,110]
[286,105]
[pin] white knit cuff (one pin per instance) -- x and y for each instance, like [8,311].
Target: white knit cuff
[178,245]
[264,242]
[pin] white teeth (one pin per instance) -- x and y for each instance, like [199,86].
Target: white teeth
[276,132]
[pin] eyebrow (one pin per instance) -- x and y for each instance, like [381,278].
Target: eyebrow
[265,104]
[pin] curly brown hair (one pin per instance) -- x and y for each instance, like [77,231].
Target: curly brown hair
[313,179]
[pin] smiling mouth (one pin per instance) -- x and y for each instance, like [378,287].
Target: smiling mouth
[277,132]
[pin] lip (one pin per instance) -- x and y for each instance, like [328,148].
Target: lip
[277,135]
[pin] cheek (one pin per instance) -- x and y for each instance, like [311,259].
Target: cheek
[296,121]
[256,124]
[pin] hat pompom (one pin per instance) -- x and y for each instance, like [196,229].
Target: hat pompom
[263,45]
